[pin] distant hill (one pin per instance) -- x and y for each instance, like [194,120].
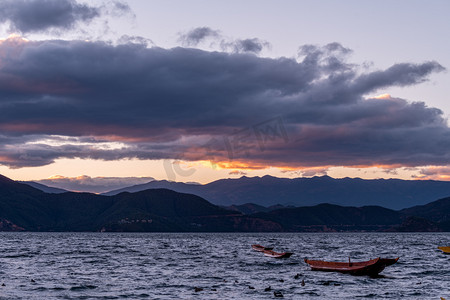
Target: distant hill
[44,188]
[329,217]
[20,204]
[251,208]
[436,211]
[434,216]
[23,207]
[156,184]
[267,191]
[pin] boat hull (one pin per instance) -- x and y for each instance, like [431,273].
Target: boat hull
[260,248]
[274,254]
[446,250]
[371,267]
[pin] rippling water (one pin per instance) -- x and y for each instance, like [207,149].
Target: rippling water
[171,266]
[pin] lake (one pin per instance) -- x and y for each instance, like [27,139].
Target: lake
[223,265]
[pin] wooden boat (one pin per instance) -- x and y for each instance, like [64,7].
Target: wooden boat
[260,248]
[271,253]
[370,267]
[444,249]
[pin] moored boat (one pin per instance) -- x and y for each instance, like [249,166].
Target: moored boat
[444,249]
[271,253]
[260,248]
[371,267]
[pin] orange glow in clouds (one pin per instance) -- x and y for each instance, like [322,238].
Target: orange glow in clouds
[383,96]
[14,37]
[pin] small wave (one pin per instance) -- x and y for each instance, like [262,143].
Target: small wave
[83,287]
[18,256]
[311,293]
[371,295]
[126,296]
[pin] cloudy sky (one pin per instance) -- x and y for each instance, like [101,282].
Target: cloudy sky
[196,91]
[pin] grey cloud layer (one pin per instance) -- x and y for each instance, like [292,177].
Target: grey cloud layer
[28,16]
[198,35]
[171,103]
[195,36]
[246,45]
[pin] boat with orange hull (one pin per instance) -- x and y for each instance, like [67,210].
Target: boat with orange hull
[260,248]
[446,250]
[271,253]
[371,267]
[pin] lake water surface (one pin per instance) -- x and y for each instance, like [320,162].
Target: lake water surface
[172,265]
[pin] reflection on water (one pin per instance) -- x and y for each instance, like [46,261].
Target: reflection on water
[217,266]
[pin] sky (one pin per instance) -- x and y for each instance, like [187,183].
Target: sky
[195,91]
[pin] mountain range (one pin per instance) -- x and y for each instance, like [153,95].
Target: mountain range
[23,207]
[268,191]
[44,188]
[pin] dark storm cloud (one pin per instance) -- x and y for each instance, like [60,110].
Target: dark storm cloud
[28,16]
[41,154]
[197,35]
[398,75]
[184,103]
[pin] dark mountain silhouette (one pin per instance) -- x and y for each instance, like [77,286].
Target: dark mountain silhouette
[157,184]
[418,224]
[164,210]
[44,188]
[329,217]
[267,191]
[20,204]
[436,211]
[251,208]
[23,207]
